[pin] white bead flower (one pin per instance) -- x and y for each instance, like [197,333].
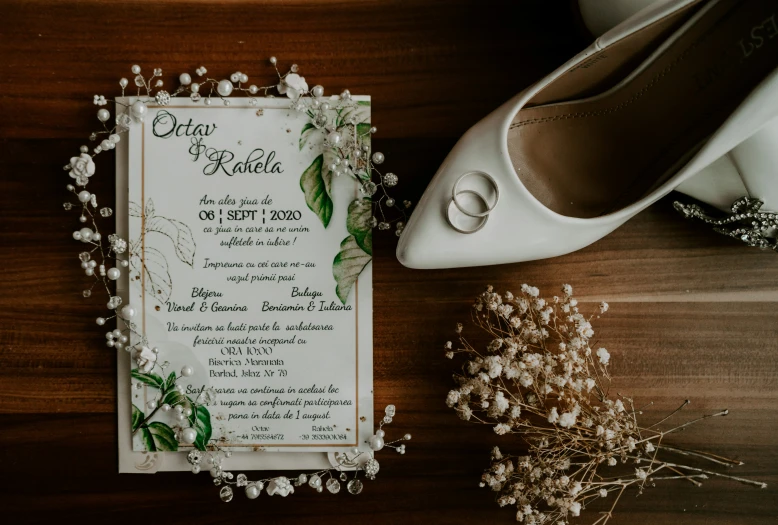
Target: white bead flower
[81,168]
[292,85]
[99,100]
[145,358]
[281,486]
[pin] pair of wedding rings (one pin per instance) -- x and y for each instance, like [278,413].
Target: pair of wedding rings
[476,218]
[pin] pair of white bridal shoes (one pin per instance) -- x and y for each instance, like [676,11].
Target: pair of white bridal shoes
[681,95]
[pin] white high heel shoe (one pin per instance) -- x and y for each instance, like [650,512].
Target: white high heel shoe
[642,110]
[748,169]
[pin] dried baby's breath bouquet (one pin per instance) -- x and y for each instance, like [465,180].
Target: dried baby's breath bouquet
[539,378]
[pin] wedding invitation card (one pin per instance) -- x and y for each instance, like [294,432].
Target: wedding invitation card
[232,278]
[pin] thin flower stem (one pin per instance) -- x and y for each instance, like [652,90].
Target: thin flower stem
[682,475]
[704,455]
[608,515]
[759,484]
[693,421]
[671,414]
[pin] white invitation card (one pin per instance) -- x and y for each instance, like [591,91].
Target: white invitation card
[232,275]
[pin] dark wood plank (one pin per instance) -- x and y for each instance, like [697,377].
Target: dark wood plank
[433,67]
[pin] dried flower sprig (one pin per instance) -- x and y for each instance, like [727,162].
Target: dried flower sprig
[540,379]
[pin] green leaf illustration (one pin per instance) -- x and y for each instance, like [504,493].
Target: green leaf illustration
[159,437]
[150,379]
[170,381]
[360,212]
[305,134]
[148,439]
[363,131]
[137,418]
[363,102]
[200,420]
[315,188]
[179,234]
[174,397]
[347,266]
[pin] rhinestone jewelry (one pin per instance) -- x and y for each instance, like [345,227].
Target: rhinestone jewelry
[748,222]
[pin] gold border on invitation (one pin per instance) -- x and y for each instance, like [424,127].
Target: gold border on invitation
[143,292]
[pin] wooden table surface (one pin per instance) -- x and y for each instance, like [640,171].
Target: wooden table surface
[693,314]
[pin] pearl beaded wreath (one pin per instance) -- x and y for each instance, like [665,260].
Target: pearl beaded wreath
[105,259]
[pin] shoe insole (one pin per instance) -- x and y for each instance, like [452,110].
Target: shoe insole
[591,156]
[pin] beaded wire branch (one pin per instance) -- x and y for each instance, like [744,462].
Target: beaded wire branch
[354,461]
[345,151]
[540,380]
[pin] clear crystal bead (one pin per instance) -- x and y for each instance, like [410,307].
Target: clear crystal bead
[320,121]
[242,480]
[387,420]
[333,485]
[157,72]
[383,226]
[87,293]
[68,206]
[84,256]
[139,81]
[390,410]
[314,481]
[226,494]
[106,212]
[123,122]
[343,476]
[354,486]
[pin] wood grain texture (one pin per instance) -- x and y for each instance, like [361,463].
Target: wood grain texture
[693,314]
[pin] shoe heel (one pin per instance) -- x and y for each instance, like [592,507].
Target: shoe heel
[749,169]
[757,161]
